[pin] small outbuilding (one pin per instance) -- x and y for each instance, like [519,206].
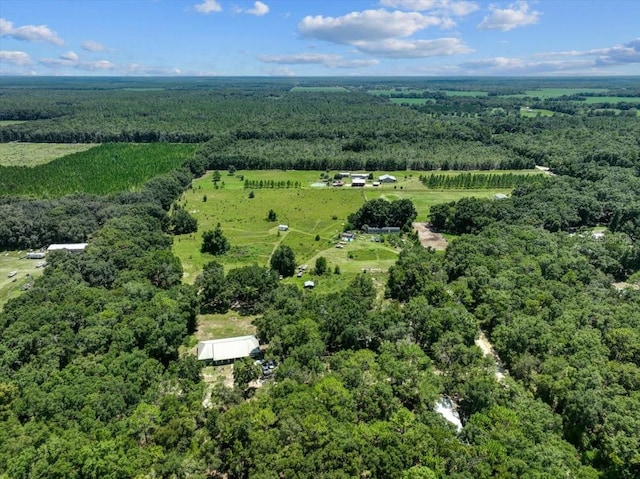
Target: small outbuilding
[283,228]
[309,284]
[358,182]
[35,255]
[226,350]
[500,196]
[387,179]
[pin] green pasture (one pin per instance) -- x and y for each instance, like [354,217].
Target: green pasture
[11,122]
[108,168]
[396,91]
[34,154]
[308,212]
[612,99]
[26,272]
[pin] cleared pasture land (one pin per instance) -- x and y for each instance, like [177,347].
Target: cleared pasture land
[104,169]
[612,99]
[534,112]
[34,154]
[307,211]
[26,271]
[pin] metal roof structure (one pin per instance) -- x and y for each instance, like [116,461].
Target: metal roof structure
[228,348]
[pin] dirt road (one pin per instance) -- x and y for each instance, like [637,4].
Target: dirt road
[429,238]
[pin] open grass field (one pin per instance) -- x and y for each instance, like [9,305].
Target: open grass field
[308,211]
[26,271]
[11,122]
[612,99]
[108,168]
[34,154]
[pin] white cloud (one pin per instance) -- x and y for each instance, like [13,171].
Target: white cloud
[208,6]
[365,26]
[451,7]
[71,56]
[394,48]
[15,58]
[259,9]
[92,46]
[29,33]
[628,53]
[515,15]
[328,60]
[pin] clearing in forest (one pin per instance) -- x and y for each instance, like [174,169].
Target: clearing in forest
[34,154]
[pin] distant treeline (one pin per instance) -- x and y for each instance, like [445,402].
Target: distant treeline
[475,180]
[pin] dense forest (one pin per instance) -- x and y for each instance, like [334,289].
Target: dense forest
[94,381]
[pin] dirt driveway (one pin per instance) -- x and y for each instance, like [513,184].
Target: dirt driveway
[428,237]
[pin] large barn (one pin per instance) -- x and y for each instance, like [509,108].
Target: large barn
[228,349]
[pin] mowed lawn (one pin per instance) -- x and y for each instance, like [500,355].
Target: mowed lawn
[33,154]
[309,212]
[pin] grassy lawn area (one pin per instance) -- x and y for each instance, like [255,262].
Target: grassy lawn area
[612,99]
[309,212]
[26,270]
[11,122]
[320,89]
[33,154]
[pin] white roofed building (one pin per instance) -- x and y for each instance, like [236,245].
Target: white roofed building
[71,247]
[228,349]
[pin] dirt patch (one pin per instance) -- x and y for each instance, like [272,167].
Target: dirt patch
[487,349]
[622,285]
[428,237]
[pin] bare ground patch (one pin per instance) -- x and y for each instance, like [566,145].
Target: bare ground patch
[428,237]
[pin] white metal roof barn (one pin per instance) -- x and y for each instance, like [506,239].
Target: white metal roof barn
[227,349]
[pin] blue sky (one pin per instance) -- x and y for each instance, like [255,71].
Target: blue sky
[319,37]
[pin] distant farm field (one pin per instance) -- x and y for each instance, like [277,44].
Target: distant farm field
[33,154]
[612,99]
[104,169]
[11,122]
[309,212]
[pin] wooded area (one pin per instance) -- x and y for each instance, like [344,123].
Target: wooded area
[95,376]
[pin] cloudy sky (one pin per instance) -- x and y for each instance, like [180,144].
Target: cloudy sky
[319,37]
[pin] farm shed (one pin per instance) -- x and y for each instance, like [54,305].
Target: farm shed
[71,247]
[362,176]
[35,255]
[227,349]
[500,196]
[358,182]
[309,284]
[283,227]
[387,179]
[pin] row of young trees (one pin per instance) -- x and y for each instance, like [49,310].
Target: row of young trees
[476,181]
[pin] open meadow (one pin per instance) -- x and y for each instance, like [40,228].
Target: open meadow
[25,271]
[34,154]
[315,216]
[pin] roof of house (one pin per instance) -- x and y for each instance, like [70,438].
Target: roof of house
[500,196]
[228,348]
[309,284]
[68,246]
[387,177]
[358,181]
